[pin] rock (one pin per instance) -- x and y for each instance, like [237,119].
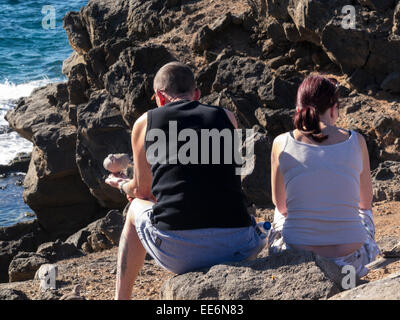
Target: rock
[387,243]
[99,235]
[380,5]
[24,266]
[50,294]
[73,60]
[53,185]
[19,164]
[286,276]
[385,181]
[392,83]
[78,86]
[275,121]
[393,252]
[335,38]
[242,107]
[94,144]
[77,33]
[55,251]
[384,289]
[241,76]
[9,249]
[18,230]
[12,294]
[256,184]
[131,79]
[222,23]
[203,39]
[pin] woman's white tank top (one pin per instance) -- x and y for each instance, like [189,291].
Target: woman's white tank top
[322,184]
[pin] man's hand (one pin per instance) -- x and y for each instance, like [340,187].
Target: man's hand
[115,179]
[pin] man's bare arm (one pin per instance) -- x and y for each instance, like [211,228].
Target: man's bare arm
[140,185]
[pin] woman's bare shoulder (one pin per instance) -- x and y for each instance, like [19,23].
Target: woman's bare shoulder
[279,143]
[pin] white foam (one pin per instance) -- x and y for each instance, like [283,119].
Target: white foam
[10,91]
[11,143]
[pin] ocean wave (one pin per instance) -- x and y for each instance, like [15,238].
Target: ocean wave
[10,91]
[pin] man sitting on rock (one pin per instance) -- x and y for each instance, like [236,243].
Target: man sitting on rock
[188,212]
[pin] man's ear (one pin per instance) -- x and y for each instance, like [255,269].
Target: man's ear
[196,94]
[161,98]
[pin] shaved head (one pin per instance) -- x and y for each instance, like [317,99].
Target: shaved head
[175,78]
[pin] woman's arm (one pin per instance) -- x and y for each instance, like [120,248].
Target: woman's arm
[277,181]
[366,194]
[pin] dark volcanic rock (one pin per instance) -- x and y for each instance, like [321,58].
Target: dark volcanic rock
[386,181]
[24,266]
[101,131]
[19,164]
[286,276]
[99,235]
[131,79]
[257,182]
[53,186]
[55,251]
[12,294]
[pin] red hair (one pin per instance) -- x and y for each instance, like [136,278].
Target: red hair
[315,96]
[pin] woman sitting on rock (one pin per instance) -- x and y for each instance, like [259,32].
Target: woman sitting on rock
[321,183]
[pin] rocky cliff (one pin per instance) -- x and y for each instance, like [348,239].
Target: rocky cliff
[249,56]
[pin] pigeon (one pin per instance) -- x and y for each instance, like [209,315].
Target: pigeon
[117,162]
[74,295]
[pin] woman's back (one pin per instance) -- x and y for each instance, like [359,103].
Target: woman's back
[322,182]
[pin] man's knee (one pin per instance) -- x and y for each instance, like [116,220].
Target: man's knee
[137,207]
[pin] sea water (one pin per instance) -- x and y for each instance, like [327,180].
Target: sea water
[33,46]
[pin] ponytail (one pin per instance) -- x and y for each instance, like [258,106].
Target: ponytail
[306,120]
[315,96]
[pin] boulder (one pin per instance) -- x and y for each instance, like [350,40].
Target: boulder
[392,83]
[131,79]
[55,251]
[101,131]
[19,164]
[203,39]
[384,289]
[73,60]
[77,33]
[256,183]
[379,5]
[385,180]
[9,249]
[53,186]
[275,121]
[99,235]
[24,266]
[12,294]
[286,276]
